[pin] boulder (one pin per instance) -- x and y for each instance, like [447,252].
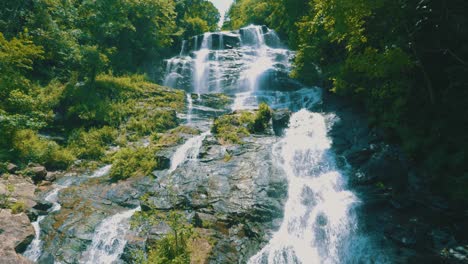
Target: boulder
[23,189]
[280,120]
[16,232]
[11,168]
[162,162]
[38,173]
[51,176]
[43,206]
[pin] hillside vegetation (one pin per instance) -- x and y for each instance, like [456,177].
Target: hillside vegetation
[77,76]
[405,61]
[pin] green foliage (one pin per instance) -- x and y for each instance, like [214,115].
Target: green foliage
[92,144]
[5,197]
[262,118]
[232,127]
[18,207]
[195,17]
[29,147]
[174,247]
[174,136]
[132,162]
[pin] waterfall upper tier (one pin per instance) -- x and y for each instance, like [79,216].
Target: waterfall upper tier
[245,60]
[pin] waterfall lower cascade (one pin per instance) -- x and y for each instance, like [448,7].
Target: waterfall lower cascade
[317,220]
[109,239]
[34,250]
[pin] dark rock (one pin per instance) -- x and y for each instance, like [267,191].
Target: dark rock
[402,235]
[280,120]
[359,157]
[162,162]
[11,168]
[38,173]
[43,206]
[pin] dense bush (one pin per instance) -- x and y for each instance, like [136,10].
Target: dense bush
[92,144]
[69,68]
[29,147]
[131,162]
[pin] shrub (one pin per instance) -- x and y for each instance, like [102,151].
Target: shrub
[29,147]
[231,128]
[262,118]
[91,144]
[132,162]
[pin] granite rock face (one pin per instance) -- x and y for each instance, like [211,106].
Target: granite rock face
[16,232]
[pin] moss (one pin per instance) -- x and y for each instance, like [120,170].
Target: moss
[113,100]
[231,128]
[217,101]
[18,207]
[131,162]
[152,121]
[174,136]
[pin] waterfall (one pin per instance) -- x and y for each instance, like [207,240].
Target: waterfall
[317,222]
[109,239]
[229,62]
[252,66]
[188,151]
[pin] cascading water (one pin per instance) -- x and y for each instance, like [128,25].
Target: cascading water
[188,151]
[34,250]
[109,239]
[251,65]
[249,60]
[317,220]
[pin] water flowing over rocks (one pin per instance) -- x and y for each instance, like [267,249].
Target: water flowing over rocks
[318,186]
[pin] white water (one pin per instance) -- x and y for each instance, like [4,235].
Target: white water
[188,151]
[317,220]
[319,224]
[109,239]
[34,250]
[101,172]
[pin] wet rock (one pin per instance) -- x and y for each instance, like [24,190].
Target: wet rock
[11,168]
[51,176]
[16,232]
[239,200]
[162,162]
[43,206]
[38,173]
[359,157]
[280,120]
[402,235]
